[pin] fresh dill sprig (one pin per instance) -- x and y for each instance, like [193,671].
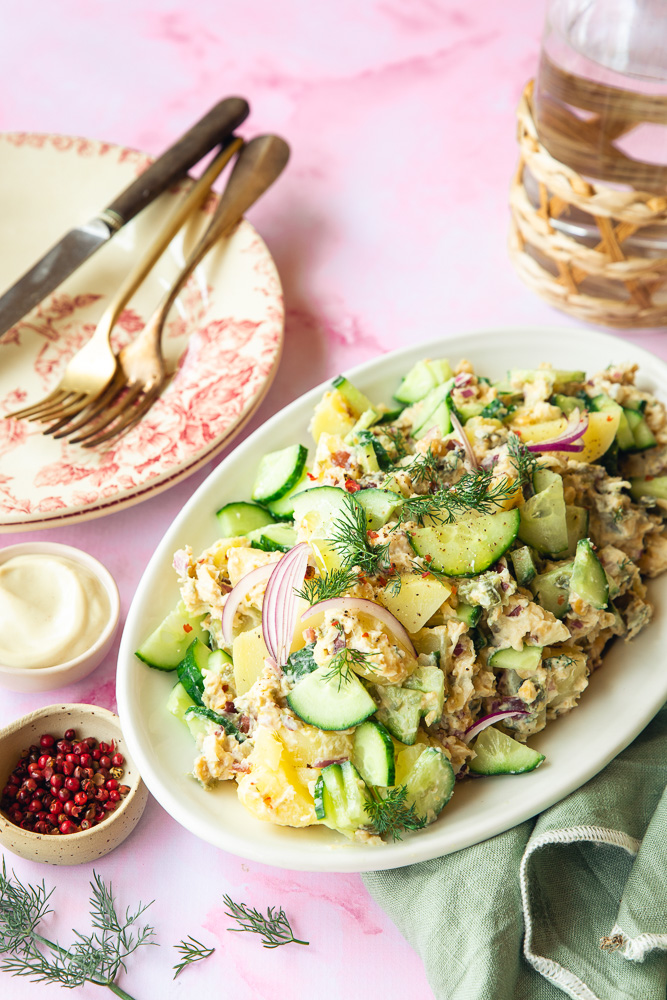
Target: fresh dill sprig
[389,814]
[342,665]
[192,950]
[331,584]
[274,928]
[95,958]
[349,537]
[398,441]
[423,468]
[474,491]
[522,459]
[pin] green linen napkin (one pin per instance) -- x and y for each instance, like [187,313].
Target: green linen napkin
[573,902]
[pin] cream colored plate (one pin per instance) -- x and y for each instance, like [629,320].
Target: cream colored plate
[225,334]
[623,695]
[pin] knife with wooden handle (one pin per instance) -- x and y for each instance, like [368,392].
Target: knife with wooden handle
[78,244]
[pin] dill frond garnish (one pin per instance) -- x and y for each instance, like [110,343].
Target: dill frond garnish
[342,665]
[474,491]
[274,928]
[331,584]
[423,468]
[389,814]
[522,459]
[398,441]
[349,537]
[95,958]
[192,951]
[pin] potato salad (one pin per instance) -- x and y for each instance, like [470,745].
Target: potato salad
[409,599]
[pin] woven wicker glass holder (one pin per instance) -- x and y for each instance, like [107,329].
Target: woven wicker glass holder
[602,283]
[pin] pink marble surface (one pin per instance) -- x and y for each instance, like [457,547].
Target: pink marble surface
[388,228]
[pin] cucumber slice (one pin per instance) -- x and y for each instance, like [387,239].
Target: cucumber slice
[241,518]
[380,506]
[552,589]
[466,411]
[589,580]
[321,506]
[469,613]
[440,420]
[421,412]
[218,661]
[390,415]
[523,661]
[399,711]
[641,432]
[543,518]
[430,681]
[524,565]
[199,713]
[467,547]
[355,399]
[191,670]
[423,377]
[577,527]
[655,487]
[331,703]
[274,537]
[373,753]
[278,472]
[366,420]
[166,646]
[430,784]
[567,403]
[500,754]
[340,798]
[179,701]
[283,508]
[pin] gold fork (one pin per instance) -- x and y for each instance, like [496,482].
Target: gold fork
[93,367]
[141,373]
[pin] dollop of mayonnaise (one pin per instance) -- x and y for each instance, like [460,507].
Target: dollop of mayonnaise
[51,610]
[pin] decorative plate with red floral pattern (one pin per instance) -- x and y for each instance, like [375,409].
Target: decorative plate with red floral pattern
[224,335]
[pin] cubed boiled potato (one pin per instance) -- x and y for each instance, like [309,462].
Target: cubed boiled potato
[332,415]
[417,601]
[249,652]
[272,790]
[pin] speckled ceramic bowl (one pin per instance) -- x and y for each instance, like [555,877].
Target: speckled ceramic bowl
[88,845]
[47,678]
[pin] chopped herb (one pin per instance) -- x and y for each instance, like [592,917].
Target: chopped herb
[274,928]
[474,491]
[389,814]
[192,951]
[342,665]
[331,584]
[300,663]
[497,409]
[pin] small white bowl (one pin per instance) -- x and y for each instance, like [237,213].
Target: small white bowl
[30,679]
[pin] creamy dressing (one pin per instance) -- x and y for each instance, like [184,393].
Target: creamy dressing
[51,610]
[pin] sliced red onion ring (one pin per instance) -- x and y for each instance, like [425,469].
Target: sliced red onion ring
[326,763]
[488,720]
[181,562]
[236,595]
[362,604]
[569,440]
[279,605]
[458,427]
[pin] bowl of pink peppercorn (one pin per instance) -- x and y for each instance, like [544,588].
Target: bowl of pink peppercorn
[69,790]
